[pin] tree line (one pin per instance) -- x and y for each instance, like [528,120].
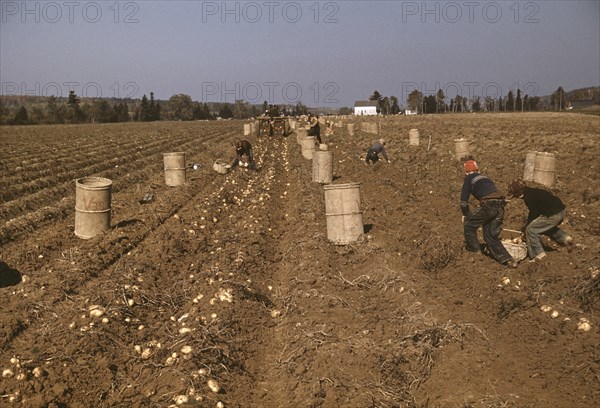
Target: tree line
[180,107]
[53,110]
[559,100]
[417,102]
[438,103]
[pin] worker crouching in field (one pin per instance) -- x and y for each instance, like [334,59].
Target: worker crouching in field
[374,152]
[243,148]
[546,213]
[489,215]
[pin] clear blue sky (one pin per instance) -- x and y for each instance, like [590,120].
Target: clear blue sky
[324,53]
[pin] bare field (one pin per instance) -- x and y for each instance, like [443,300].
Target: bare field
[226,290]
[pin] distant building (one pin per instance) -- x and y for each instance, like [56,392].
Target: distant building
[365,108]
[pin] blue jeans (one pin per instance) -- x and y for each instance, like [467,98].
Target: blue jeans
[489,216]
[547,226]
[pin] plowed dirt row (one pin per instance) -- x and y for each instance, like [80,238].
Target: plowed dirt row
[232,279]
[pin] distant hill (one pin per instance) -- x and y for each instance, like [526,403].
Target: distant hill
[584,94]
[590,94]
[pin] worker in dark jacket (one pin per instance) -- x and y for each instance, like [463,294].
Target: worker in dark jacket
[315,127]
[489,215]
[374,152]
[546,213]
[243,147]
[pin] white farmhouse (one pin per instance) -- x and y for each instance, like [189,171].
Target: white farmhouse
[365,108]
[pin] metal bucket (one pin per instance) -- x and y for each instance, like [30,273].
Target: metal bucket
[543,169]
[529,165]
[92,206]
[351,129]
[461,149]
[322,171]
[174,168]
[413,137]
[342,209]
[308,147]
[247,129]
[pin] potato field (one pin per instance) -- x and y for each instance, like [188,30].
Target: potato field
[225,291]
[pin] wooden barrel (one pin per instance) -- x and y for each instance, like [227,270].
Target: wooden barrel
[351,129]
[544,169]
[461,149]
[529,165]
[301,134]
[343,213]
[413,137]
[174,164]
[92,206]
[308,147]
[322,170]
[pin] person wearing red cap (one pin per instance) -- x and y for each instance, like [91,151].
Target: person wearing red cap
[489,215]
[546,213]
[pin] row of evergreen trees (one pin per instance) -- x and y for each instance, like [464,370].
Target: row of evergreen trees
[179,107]
[438,103]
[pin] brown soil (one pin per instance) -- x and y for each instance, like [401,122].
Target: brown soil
[231,277]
